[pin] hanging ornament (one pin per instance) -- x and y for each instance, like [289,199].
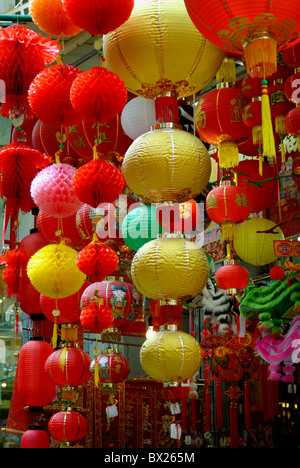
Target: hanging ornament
[53,229]
[97,260]
[68,427]
[24,132]
[14,274]
[233,278]
[292,122]
[35,437]
[50,17]
[96,317]
[138,116]
[53,193]
[112,368]
[182,217]
[140,226]
[23,54]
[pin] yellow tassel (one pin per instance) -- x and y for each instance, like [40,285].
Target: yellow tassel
[280,126]
[95,153]
[260,165]
[282,150]
[228,251]
[298,143]
[235,178]
[69,334]
[261,57]
[97,378]
[54,337]
[228,231]
[226,72]
[63,357]
[257,135]
[228,154]
[269,149]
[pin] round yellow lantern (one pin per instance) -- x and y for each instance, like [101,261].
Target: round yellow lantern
[159,50]
[53,271]
[170,269]
[171,355]
[255,246]
[167,164]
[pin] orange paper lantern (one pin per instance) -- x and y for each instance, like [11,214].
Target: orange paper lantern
[51,18]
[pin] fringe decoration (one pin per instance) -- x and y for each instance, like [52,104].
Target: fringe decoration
[261,57]
[226,72]
[166,109]
[247,405]
[280,126]
[219,401]
[267,126]
[207,409]
[228,154]
[282,150]
[257,135]
[63,357]
[228,231]
[69,334]
[54,337]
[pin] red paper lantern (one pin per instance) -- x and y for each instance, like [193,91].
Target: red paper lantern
[15,273]
[98,182]
[280,106]
[19,165]
[51,18]
[257,32]
[53,229]
[228,129]
[277,272]
[291,56]
[248,148]
[97,260]
[291,87]
[112,142]
[292,122]
[68,366]
[35,437]
[68,307]
[23,54]
[252,117]
[122,297]
[228,205]
[44,139]
[29,299]
[33,384]
[98,17]
[49,95]
[67,426]
[232,278]
[98,95]
[112,367]
[96,317]
[250,87]
[24,132]
[262,196]
[182,217]
[33,242]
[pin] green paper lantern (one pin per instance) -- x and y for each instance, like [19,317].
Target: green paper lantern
[140,226]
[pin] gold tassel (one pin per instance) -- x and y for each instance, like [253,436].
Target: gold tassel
[282,150]
[69,334]
[54,337]
[280,126]
[97,378]
[267,127]
[228,231]
[260,161]
[257,135]
[228,154]
[95,153]
[63,357]
[261,57]
[226,72]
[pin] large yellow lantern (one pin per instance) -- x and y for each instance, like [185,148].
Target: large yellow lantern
[255,246]
[167,164]
[171,355]
[170,269]
[159,50]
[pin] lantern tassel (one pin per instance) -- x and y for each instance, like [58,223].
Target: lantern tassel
[228,231]
[247,405]
[97,379]
[228,154]
[54,337]
[267,127]
[226,72]
[282,151]
[219,401]
[63,357]
[261,57]
[280,126]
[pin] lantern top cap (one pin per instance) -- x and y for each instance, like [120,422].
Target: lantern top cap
[171,125]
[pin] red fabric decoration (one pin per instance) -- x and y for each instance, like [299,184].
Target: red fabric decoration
[19,165]
[170,313]
[35,437]
[44,139]
[69,307]
[97,260]
[113,367]
[112,142]
[52,229]
[68,367]
[98,17]
[14,273]
[122,297]
[23,54]
[232,276]
[51,18]
[33,384]
[228,205]
[49,95]
[277,272]
[98,182]
[67,426]
[98,95]
[96,317]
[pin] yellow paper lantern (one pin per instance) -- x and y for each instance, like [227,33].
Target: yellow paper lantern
[256,247]
[53,271]
[167,164]
[170,269]
[171,355]
[159,50]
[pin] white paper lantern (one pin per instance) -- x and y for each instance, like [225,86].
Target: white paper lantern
[138,116]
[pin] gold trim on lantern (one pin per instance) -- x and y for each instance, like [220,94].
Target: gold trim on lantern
[225,84]
[261,55]
[158,126]
[172,327]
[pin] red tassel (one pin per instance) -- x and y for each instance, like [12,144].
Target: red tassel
[235,426]
[166,108]
[194,428]
[247,405]
[183,412]
[264,388]
[207,409]
[219,401]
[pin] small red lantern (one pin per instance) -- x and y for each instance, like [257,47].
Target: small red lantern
[228,129]
[35,437]
[33,242]
[280,105]
[277,272]
[98,95]
[228,205]
[98,17]
[122,297]
[49,95]
[15,273]
[67,426]
[251,87]
[182,217]
[253,119]
[98,182]
[50,17]
[68,366]
[96,317]
[33,384]
[291,87]
[54,229]
[233,278]
[112,367]
[292,122]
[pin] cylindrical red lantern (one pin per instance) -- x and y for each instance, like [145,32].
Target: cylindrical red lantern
[35,438]
[68,366]
[228,129]
[34,387]
[262,196]
[98,95]
[97,260]
[122,297]
[248,148]
[251,87]
[228,205]
[183,217]
[67,426]
[112,142]
[233,278]
[112,366]
[54,229]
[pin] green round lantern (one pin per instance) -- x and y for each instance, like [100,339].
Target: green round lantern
[140,226]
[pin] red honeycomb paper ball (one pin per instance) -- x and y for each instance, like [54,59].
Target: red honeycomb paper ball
[97,260]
